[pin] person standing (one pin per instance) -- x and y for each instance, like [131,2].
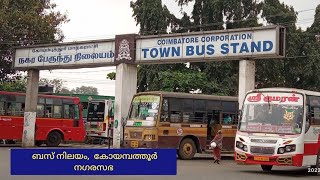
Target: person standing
[217,150]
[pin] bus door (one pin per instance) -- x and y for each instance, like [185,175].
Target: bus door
[214,123]
[96,118]
[229,122]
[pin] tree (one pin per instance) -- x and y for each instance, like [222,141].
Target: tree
[111,76]
[19,85]
[221,77]
[56,83]
[85,90]
[153,18]
[299,69]
[24,23]
[281,72]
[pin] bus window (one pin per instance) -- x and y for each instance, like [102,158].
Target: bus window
[66,113]
[49,108]
[76,116]
[17,109]
[96,111]
[76,112]
[8,108]
[229,106]
[175,109]
[229,119]
[187,109]
[40,110]
[67,101]
[200,111]
[2,108]
[57,110]
[314,109]
[57,101]
[165,110]
[41,100]
[20,99]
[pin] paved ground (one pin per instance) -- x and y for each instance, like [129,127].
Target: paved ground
[197,169]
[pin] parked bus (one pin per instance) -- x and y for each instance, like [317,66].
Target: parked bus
[58,118]
[187,122]
[279,127]
[99,120]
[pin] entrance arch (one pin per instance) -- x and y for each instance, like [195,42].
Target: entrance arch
[129,50]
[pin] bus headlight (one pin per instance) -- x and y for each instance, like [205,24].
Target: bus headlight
[290,148]
[241,146]
[287,148]
[281,150]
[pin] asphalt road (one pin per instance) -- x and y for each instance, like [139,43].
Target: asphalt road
[197,169]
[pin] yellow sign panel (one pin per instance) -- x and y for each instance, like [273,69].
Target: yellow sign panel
[134,144]
[146,98]
[260,158]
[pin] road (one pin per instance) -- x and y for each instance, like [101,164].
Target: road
[197,169]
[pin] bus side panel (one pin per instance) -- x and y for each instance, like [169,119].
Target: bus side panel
[70,133]
[228,139]
[311,146]
[170,137]
[11,128]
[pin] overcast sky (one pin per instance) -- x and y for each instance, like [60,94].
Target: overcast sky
[102,19]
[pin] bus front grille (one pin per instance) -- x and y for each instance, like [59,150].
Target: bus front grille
[264,141]
[262,150]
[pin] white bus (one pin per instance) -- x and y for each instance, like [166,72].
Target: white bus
[99,118]
[279,127]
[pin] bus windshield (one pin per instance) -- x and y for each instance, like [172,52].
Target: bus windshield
[270,112]
[96,112]
[144,108]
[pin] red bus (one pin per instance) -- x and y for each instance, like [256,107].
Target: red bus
[59,118]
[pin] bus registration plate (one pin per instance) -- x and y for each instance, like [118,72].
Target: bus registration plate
[134,144]
[260,158]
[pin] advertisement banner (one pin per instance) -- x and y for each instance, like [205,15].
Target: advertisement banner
[93,162]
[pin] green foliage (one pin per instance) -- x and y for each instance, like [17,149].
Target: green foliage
[85,90]
[19,85]
[299,69]
[153,18]
[26,22]
[111,76]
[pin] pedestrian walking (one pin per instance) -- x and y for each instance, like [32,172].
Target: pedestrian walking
[217,150]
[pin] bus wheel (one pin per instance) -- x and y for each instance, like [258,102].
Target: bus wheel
[54,139]
[187,149]
[10,141]
[318,163]
[38,143]
[266,167]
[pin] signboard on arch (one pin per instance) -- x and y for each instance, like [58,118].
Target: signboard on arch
[66,55]
[235,44]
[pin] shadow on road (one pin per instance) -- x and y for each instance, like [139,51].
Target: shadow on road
[301,172]
[211,158]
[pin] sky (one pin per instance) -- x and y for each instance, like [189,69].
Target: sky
[103,19]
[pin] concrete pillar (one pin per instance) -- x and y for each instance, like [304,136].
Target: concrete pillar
[126,87]
[28,136]
[246,78]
